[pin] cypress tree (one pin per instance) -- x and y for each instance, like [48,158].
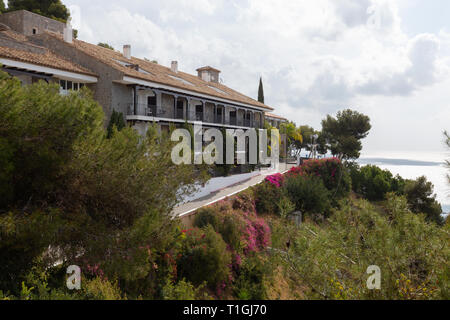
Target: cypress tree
[261,91]
[115,121]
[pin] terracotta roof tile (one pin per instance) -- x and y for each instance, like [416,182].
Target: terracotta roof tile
[163,75]
[271,115]
[45,58]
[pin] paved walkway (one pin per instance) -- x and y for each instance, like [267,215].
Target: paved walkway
[187,209]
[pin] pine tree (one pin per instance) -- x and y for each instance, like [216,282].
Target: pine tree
[261,91]
[2,6]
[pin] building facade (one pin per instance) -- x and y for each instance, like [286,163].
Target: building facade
[144,91]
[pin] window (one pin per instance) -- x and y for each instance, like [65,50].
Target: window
[151,101]
[66,85]
[180,109]
[62,84]
[35,30]
[151,106]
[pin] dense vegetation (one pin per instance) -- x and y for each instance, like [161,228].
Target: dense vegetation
[71,195]
[73,192]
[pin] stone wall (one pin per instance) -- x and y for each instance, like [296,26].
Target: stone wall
[29,23]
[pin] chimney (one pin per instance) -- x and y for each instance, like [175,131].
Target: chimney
[68,31]
[208,74]
[174,66]
[127,51]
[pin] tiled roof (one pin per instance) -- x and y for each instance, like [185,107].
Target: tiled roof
[35,55]
[271,115]
[153,72]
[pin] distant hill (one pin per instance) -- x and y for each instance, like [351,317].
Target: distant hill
[398,162]
[446,208]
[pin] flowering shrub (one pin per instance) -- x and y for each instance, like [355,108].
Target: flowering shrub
[244,201]
[275,179]
[330,170]
[243,231]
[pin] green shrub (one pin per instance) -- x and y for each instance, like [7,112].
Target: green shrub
[101,289]
[374,183]
[204,257]
[226,223]
[207,216]
[251,278]
[330,261]
[266,198]
[308,194]
[421,199]
[183,290]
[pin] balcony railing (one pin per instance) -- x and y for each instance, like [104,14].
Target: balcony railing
[145,110]
[219,119]
[163,112]
[199,116]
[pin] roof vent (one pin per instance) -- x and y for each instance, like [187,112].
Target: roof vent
[127,51]
[208,74]
[174,66]
[133,66]
[68,31]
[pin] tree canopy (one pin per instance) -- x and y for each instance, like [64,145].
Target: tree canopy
[294,136]
[64,185]
[345,132]
[421,199]
[105,45]
[53,9]
[2,6]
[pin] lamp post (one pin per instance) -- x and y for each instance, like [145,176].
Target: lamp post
[314,145]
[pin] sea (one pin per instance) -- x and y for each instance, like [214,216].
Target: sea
[412,166]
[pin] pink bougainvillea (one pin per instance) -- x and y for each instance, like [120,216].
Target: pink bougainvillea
[275,179]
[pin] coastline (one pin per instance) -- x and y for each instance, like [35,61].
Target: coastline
[411,168]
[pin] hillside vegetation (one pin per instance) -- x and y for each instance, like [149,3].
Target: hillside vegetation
[74,193]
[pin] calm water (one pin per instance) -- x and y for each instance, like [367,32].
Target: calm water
[432,168]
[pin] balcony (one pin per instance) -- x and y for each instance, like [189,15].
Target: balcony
[180,114]
[219,119]
[167,112]
[145,110]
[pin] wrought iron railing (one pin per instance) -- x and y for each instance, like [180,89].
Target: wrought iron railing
[142,109]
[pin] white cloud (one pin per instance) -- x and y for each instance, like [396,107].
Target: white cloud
[316,57]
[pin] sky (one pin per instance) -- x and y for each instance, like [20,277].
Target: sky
[389,59]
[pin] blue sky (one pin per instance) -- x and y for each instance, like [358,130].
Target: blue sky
[389,59]
[420,16]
